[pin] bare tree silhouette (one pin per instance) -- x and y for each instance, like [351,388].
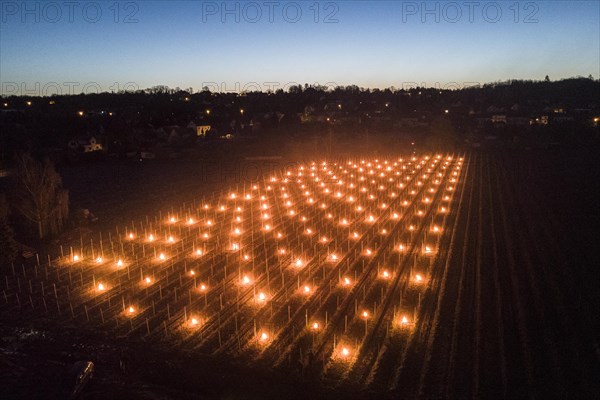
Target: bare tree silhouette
[8,245]
[39,196]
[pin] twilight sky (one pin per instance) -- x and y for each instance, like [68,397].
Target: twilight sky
[66,47]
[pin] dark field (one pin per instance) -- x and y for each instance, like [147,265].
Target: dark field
[508,307]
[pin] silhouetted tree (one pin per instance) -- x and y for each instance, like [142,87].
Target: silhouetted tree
[8,245]
[39,196]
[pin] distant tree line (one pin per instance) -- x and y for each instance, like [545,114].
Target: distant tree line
[44,125]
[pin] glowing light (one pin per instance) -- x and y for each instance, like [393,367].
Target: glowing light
[75,257]
[428,250]
[203,288]
[307,289]
[99,260]
[365,314]
[198,252]
[172,220]
[151,238]
[194,321]
[148,280]
[101,287]
[262,297]
[385,274]
[131,310]
[119,263]
[346,281]
[404,320]
[246,280]
[315,326]
[345,352]
[298,263]
[264,336]
[131,236]
[171,239]
[161,256]
[418,278]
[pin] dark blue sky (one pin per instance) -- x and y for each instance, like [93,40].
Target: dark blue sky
[249,45]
